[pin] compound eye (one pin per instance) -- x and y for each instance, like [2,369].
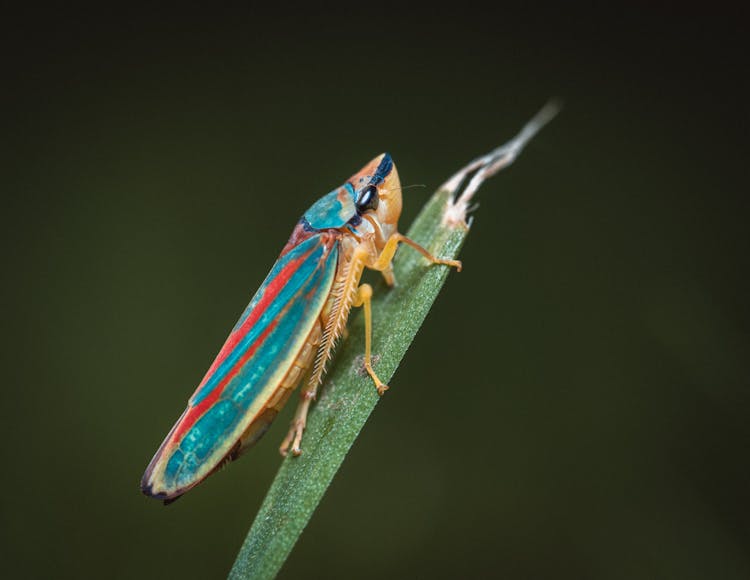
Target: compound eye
[368,199]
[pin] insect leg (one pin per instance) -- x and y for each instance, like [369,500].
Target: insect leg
[390,279]
[383,262]
[364,294]
[293,438]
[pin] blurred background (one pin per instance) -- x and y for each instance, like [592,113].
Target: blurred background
[576,405]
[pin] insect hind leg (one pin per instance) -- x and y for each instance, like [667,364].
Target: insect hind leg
[293,439]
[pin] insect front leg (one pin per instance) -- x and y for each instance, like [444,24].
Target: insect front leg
[383,261]
[384,264]
[387,273]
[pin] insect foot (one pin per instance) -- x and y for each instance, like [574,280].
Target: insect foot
[452,263]
[293,439]
[381,388]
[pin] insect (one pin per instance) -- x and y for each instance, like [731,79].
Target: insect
[288,332]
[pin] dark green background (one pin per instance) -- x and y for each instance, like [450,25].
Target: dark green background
[576,404]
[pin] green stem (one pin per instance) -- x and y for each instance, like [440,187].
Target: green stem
[348,395]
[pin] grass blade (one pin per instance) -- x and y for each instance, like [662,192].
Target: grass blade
[348,395]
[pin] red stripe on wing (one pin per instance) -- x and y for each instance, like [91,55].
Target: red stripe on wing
[195,413]
[269,294]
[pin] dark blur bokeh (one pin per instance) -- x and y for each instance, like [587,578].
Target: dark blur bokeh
[576,405]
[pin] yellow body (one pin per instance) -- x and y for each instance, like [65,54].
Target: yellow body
[372,245]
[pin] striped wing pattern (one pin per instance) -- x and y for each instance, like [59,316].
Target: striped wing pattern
[252,363]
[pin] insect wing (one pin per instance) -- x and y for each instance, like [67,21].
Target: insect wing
[249,368]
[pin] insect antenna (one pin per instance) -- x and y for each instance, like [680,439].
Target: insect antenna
[389,190]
